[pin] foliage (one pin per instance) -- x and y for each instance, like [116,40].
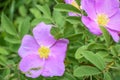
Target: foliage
[89,57]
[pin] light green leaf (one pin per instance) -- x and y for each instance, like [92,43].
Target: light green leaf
[45,10]
[24,27]
[22,10]
[94,59]
[66,8]
[3,61]
[35,12]
[8,25]
[78,54]
[85,71]
[12,40]
[58,18]
[38,20]
[3,51]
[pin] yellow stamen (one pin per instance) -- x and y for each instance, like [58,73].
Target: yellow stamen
[102,19]
[75,4]
[44,52]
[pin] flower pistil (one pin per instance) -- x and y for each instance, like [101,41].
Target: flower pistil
[44,52]
[102,19]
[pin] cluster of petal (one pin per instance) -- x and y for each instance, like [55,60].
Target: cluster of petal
[32,64]
[74,3]
[110,10]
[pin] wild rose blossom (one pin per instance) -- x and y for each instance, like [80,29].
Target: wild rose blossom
[73,2]
[42,54]
[104,13]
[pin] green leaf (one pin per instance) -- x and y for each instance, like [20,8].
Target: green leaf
[68,29]
[73,19]
[8,25]
[12,39]
[24,27]
[14,47]
[38,20]
[78,53]
[85,71]
[94,59]
[66,8]
[92,46]
[68,76]
[102,53]
[3,51]
[75,37]
[22,10]
[55,31]
[12,9]
[60,21]
[114,51]
[6,73]
[59,1]
[3,61]
[45,10]
[107,76]
[78,2]
[106,35]
[35,12]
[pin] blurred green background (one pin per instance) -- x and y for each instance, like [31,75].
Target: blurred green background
[19,17]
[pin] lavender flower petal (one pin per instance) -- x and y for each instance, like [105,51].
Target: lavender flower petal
[28,46]
[42,34]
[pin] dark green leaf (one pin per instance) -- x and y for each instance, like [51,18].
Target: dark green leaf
[75,37]
[59,1]
[55,31]
[68,29]
[73,20]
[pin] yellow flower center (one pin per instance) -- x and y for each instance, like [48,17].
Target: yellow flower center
[75,4]
[44,52]
[102,19]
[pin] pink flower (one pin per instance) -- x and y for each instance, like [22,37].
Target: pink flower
[73,3]
[42,54]
[104,13]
